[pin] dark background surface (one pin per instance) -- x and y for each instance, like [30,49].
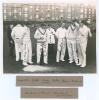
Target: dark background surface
[11,66]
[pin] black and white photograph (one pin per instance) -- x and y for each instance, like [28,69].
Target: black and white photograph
[49,37]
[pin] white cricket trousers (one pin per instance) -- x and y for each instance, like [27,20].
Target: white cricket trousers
[61,49]
[18,49]
[71,45]
[42,47]
[81,48]
[27,51]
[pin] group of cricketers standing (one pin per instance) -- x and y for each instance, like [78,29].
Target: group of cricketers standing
[72,37]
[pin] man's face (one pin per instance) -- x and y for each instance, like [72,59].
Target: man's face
[11,26]
[44,27]
[76,23]
[32,25]
[48,26]
[81,24]
[66,26]
[73,23]
[63,25]
[70,24]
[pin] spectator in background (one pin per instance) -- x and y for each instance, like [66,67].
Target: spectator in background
[11,42]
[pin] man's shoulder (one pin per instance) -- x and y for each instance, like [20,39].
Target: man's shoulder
[14,28]
[38,30]
[86,27]
[59,28]
[52,29]
[17,27]
[26,28]
[69,27]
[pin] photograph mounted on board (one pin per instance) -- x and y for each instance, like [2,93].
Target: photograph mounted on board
[49,37]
